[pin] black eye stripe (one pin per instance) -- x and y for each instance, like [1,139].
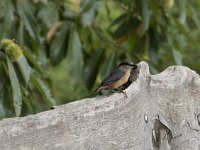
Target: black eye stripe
[126,63]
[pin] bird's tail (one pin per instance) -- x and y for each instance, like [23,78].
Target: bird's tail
[97,90]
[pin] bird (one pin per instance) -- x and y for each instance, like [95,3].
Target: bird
[119,79]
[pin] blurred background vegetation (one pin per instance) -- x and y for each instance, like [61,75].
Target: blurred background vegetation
[56,51]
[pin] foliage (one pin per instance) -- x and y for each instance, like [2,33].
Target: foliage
[65,47]
[19,80]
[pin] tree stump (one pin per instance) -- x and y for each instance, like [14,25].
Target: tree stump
[161,112]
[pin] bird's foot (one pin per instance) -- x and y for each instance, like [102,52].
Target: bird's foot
[124,94]
[121,91]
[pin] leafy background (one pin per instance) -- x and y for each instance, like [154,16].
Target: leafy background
[70,45]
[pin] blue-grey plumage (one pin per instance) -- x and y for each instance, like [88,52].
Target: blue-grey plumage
[118,77]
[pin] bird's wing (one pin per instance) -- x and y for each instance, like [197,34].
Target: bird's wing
[114,76]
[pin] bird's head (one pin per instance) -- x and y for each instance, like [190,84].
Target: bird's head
[127,64]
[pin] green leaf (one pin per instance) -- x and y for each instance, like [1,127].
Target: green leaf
[146,14]
[177,57]
[108,11]
[16,92]
[45,2]
[48,12]
[182,11]
[153,69]
[26,12]
[24,69]
[126,27]
[89,9]
[32,59]
[2,111]
[75,57]
[153,45]
[108,64]
[8,101]
[91,68]
[42,88]
[186,32]
[119,19]
[28,104]
[20,32]
[6,12]
[58,48]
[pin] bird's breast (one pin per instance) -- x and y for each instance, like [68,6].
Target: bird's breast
[121,81]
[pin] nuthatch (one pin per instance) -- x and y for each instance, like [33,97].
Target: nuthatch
[120,78]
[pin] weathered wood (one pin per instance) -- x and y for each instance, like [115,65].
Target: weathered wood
[161,112]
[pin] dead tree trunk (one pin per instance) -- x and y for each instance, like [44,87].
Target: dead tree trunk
[161,112]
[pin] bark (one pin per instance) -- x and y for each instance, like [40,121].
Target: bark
[161,112]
